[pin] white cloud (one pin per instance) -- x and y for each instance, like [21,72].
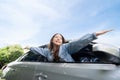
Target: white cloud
[36,8]
[17,24]
[23,19]
[110,38]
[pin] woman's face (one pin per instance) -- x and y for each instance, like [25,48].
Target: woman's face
[57,40]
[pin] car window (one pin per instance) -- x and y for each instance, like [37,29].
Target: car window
[85,55]
[32,57]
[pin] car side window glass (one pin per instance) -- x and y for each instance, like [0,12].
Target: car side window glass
[32,57]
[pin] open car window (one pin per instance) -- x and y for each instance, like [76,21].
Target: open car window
[85,55]
[32,57]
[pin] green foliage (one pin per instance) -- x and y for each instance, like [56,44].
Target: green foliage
[9,54]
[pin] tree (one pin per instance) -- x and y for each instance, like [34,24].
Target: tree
[10,53]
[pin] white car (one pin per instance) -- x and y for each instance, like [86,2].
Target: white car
[94,62]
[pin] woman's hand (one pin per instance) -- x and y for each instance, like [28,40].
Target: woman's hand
[27,47]
[102,32]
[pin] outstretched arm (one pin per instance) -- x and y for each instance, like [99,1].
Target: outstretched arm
[102,32]
[76,45]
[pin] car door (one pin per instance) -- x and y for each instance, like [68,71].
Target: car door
[88,71]
[23,68]
[22,71]
[50,71]
[72,71]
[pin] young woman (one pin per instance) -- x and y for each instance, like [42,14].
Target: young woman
[58,50]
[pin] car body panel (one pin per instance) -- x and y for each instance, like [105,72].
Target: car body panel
[33,66]
[87,71]
[53,71]
[19,71]
[74,71]
[63,71]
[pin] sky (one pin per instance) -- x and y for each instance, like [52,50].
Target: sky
[34,22]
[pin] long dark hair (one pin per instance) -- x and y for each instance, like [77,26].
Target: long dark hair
[51,46]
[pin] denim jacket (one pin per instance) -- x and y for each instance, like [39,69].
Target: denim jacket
[66,49]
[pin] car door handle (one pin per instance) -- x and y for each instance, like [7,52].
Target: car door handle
[41,75]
